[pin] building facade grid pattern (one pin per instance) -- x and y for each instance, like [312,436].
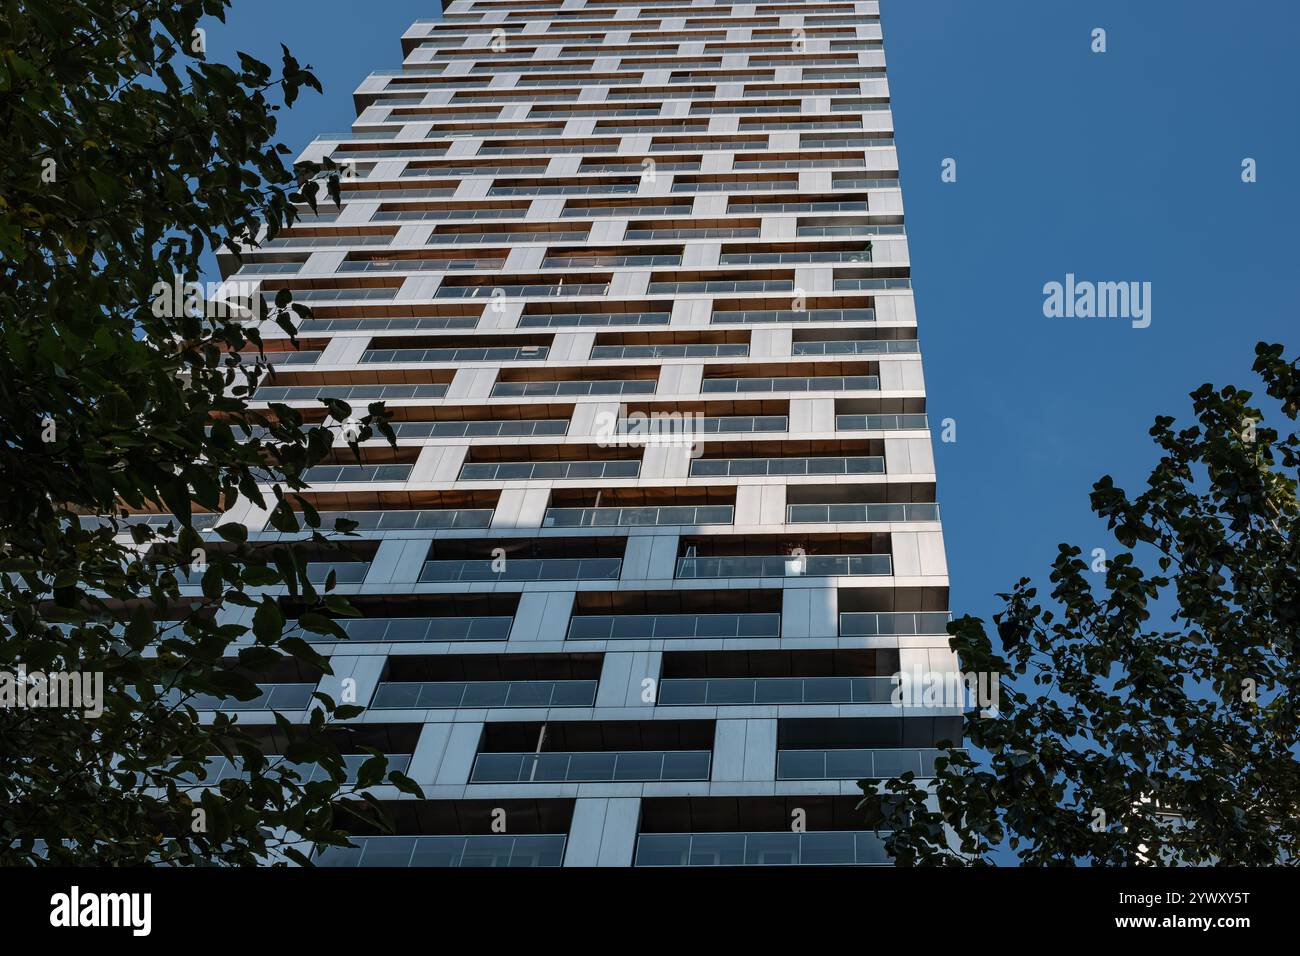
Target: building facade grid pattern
[661,522]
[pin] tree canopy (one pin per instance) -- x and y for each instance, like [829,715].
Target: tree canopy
[1148,713]
[130,154]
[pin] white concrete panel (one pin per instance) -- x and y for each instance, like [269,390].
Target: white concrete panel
[907,553]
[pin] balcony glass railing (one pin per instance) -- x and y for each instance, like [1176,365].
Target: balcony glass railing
[452,694]
[426,215]
[789,258]
[527,353]
[326,474]
[850,230]
[793,383]
[522,569]
[382,630]
[739,467]
[816,142]
[467,238]
[734,186]
[883,182]
[222,768]
[636,517]
[790,315]
[642,386]
[775,690]
[281,697]
[491,849]
[849,162]
[348,393]
[871,423]
[780,207]
[313,242]
[593,767]
[728,424]
[200,522]
[339,295]
[578,320]
[407,520]
[598,211]
[726,350]
[577,189]
[861,285]
[381,324]
[518,429]
[427,192]
[596,167]
[607,262]
[420,172]
[345,572]
[785,566]
[691,234]
[854,764]
[827,848]
[886,623]
[610,627]
[857,347]
[729,287]
[521,291]
[861,513]
[527,470]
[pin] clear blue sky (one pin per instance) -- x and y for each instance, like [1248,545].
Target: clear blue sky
[1116,167]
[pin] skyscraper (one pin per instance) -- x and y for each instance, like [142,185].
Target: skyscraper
[661,525]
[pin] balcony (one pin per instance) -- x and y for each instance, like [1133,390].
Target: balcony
[785,566]
[327,474]
[724,350]
[859,285]
[758,316]
[637,517]
[833,848]
[386,324]
[277,697]
[702,233]
[722,691]
[573,189]
[345,572]
[855,764]
[550,320]
[721,286]
[222,768]
[610,627]
[443,695]
[793,383]
[871,423]
[492,849]
[348,393]
[458,355]
[857,347]
[643,386]
[536,291]
[557,470]
[740,467]
[628,766]
[887,623]
[791,258]
[861,513]
[510,238]
[608,262]
[385,630]
[485,429]
[410,520]
[522,569]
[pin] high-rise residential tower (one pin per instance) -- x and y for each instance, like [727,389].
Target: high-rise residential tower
[661,524]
